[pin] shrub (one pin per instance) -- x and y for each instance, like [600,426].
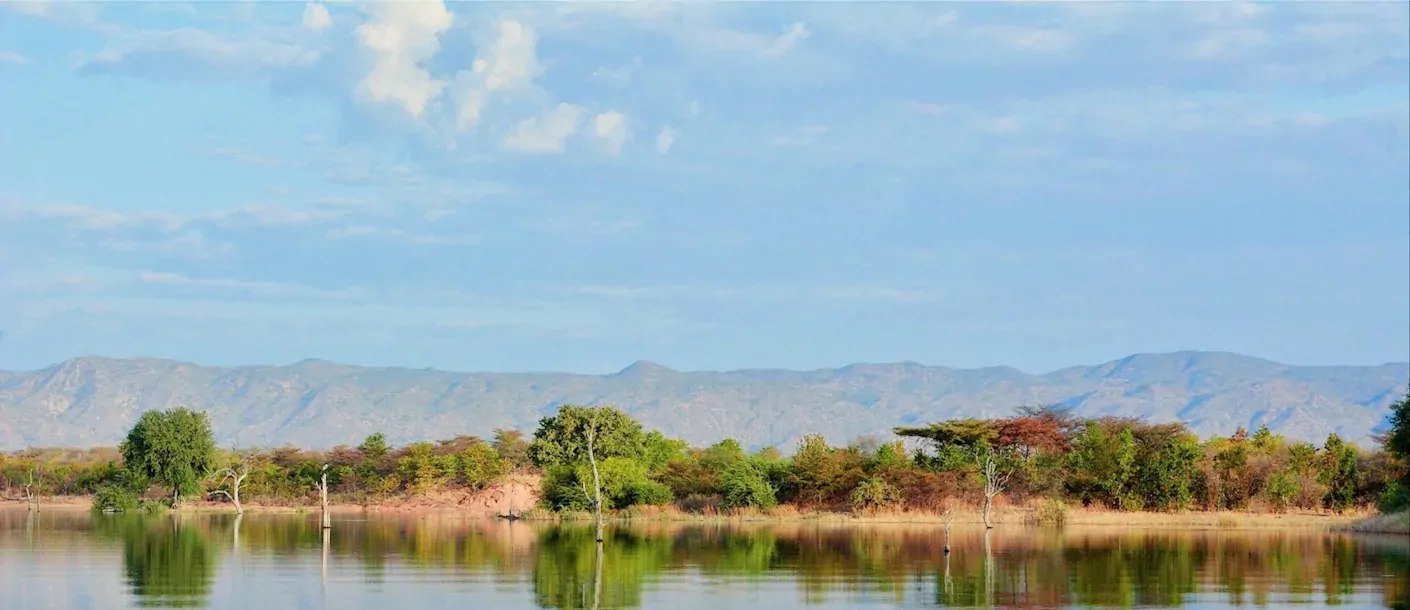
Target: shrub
[745,484]
[111,498]
[480,466]
[1394,498]
[874,494]
[1051,512]
[649,493]
[1282,489]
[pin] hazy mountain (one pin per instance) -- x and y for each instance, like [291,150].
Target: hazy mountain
[92,401]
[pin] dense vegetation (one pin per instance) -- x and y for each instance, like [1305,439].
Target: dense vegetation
[1037,454]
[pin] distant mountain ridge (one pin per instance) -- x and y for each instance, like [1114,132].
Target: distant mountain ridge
[93,401]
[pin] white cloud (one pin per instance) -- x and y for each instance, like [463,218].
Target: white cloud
[666,139]
[11,57]
[790,38]
[548,133]
[509,65]
[402,35]
[191,54]
[611,128]
[316,17]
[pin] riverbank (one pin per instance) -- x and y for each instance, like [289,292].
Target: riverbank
[1394,523]
[493,503]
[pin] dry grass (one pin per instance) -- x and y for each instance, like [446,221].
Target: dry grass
[1394,523]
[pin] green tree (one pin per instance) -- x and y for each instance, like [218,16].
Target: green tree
[511,447]
[480,465]
[747,484]
[562,440]
[1397,440]
[374,447]
[173,448]
[1338,473]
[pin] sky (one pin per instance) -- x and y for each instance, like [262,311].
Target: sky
[576,186]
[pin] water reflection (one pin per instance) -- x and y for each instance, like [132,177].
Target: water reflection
[176,561]
[166,563]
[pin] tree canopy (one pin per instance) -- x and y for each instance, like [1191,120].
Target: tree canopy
[562,439]
[174,448]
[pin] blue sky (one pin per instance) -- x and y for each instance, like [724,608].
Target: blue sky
[545,186]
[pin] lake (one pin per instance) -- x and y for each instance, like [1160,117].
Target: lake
[71,559]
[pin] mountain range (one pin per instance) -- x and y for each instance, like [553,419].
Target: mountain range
[93,401]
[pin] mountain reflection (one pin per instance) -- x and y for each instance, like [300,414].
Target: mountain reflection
[172,561]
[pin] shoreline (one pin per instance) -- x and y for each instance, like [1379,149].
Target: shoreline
[965,517]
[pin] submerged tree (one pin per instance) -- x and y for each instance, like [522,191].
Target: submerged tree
[173,448]
[234,475]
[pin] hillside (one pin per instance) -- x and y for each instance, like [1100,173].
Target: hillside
[93,401]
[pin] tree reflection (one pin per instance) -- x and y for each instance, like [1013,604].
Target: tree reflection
[167,563]
[170,561]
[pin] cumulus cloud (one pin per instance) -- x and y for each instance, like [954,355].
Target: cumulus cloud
[611,128]
[316,17]
[790,38]
[402,35]
[666,139]
[548,133]
[509,64]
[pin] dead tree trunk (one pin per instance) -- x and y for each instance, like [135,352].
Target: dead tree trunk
[949,520]
[597,578]
[236,478]
[31,503]
[323,498]
[995,481]
[596,478]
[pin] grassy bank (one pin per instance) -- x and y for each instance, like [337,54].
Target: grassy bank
[1394,523]
[464,505]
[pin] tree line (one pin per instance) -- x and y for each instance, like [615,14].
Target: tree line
[601,458]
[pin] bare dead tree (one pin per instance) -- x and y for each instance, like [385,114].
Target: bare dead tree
[996,479]
[596,478]
[31,502]
[235,475]
[949,520]
[323,498]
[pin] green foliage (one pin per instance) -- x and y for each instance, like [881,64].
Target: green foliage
[512,448]
[722,455]
[1397,440]
[649,493]
[1166,479]
[374,447]
[1051,512]
[1281,490]
[563,438]
[423,470]
[1395,498]
[747,484]
[174,448]
[658,451]
[480,465]
[874,494]
[1102,464]
[821,474]
[1338,472]
[111,498]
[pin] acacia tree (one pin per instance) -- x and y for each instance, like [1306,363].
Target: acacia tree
[172,448]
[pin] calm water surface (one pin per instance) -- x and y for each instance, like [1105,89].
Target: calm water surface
[69,559]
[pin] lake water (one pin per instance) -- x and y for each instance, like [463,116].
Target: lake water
[69,559]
